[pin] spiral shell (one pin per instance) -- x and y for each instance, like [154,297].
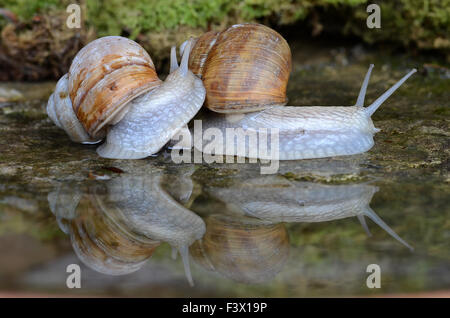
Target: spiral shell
[104,76]
[244,68]
[199,53]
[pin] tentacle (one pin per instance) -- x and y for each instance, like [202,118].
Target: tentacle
[363,90]
[374,217]
[173,59]
[380,100]
[185,59]
[184,253]
[183,46]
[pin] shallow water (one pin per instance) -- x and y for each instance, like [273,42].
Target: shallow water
[309,230]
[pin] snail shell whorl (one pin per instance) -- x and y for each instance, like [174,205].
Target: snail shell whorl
[246,69]
[104,76]
[60,111]
[199,52]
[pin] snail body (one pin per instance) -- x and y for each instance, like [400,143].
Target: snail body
[301,132]
[297,132]
[113,81]
[245,70]
[148,209]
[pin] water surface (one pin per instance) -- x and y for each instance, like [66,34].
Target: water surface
[153,228]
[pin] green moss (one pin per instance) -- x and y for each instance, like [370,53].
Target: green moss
[150,15]
[423,23]
[26,9]
[143,16]
[332,179]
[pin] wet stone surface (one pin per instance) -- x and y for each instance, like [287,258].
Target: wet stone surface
[295,233]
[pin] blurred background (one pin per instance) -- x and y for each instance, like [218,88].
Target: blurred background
[36,44]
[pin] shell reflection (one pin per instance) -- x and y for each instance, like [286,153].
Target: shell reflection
[242,249]
[103,244]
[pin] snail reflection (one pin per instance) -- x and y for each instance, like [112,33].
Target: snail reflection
[249,243]
[116,225]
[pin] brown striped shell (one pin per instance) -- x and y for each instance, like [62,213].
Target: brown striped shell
[244,68]
[199,52]
[104,76]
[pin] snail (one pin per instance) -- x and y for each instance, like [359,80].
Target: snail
[274,200]
[112,90]
[115,225]
[242,249]
[245,71]
[148,209]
